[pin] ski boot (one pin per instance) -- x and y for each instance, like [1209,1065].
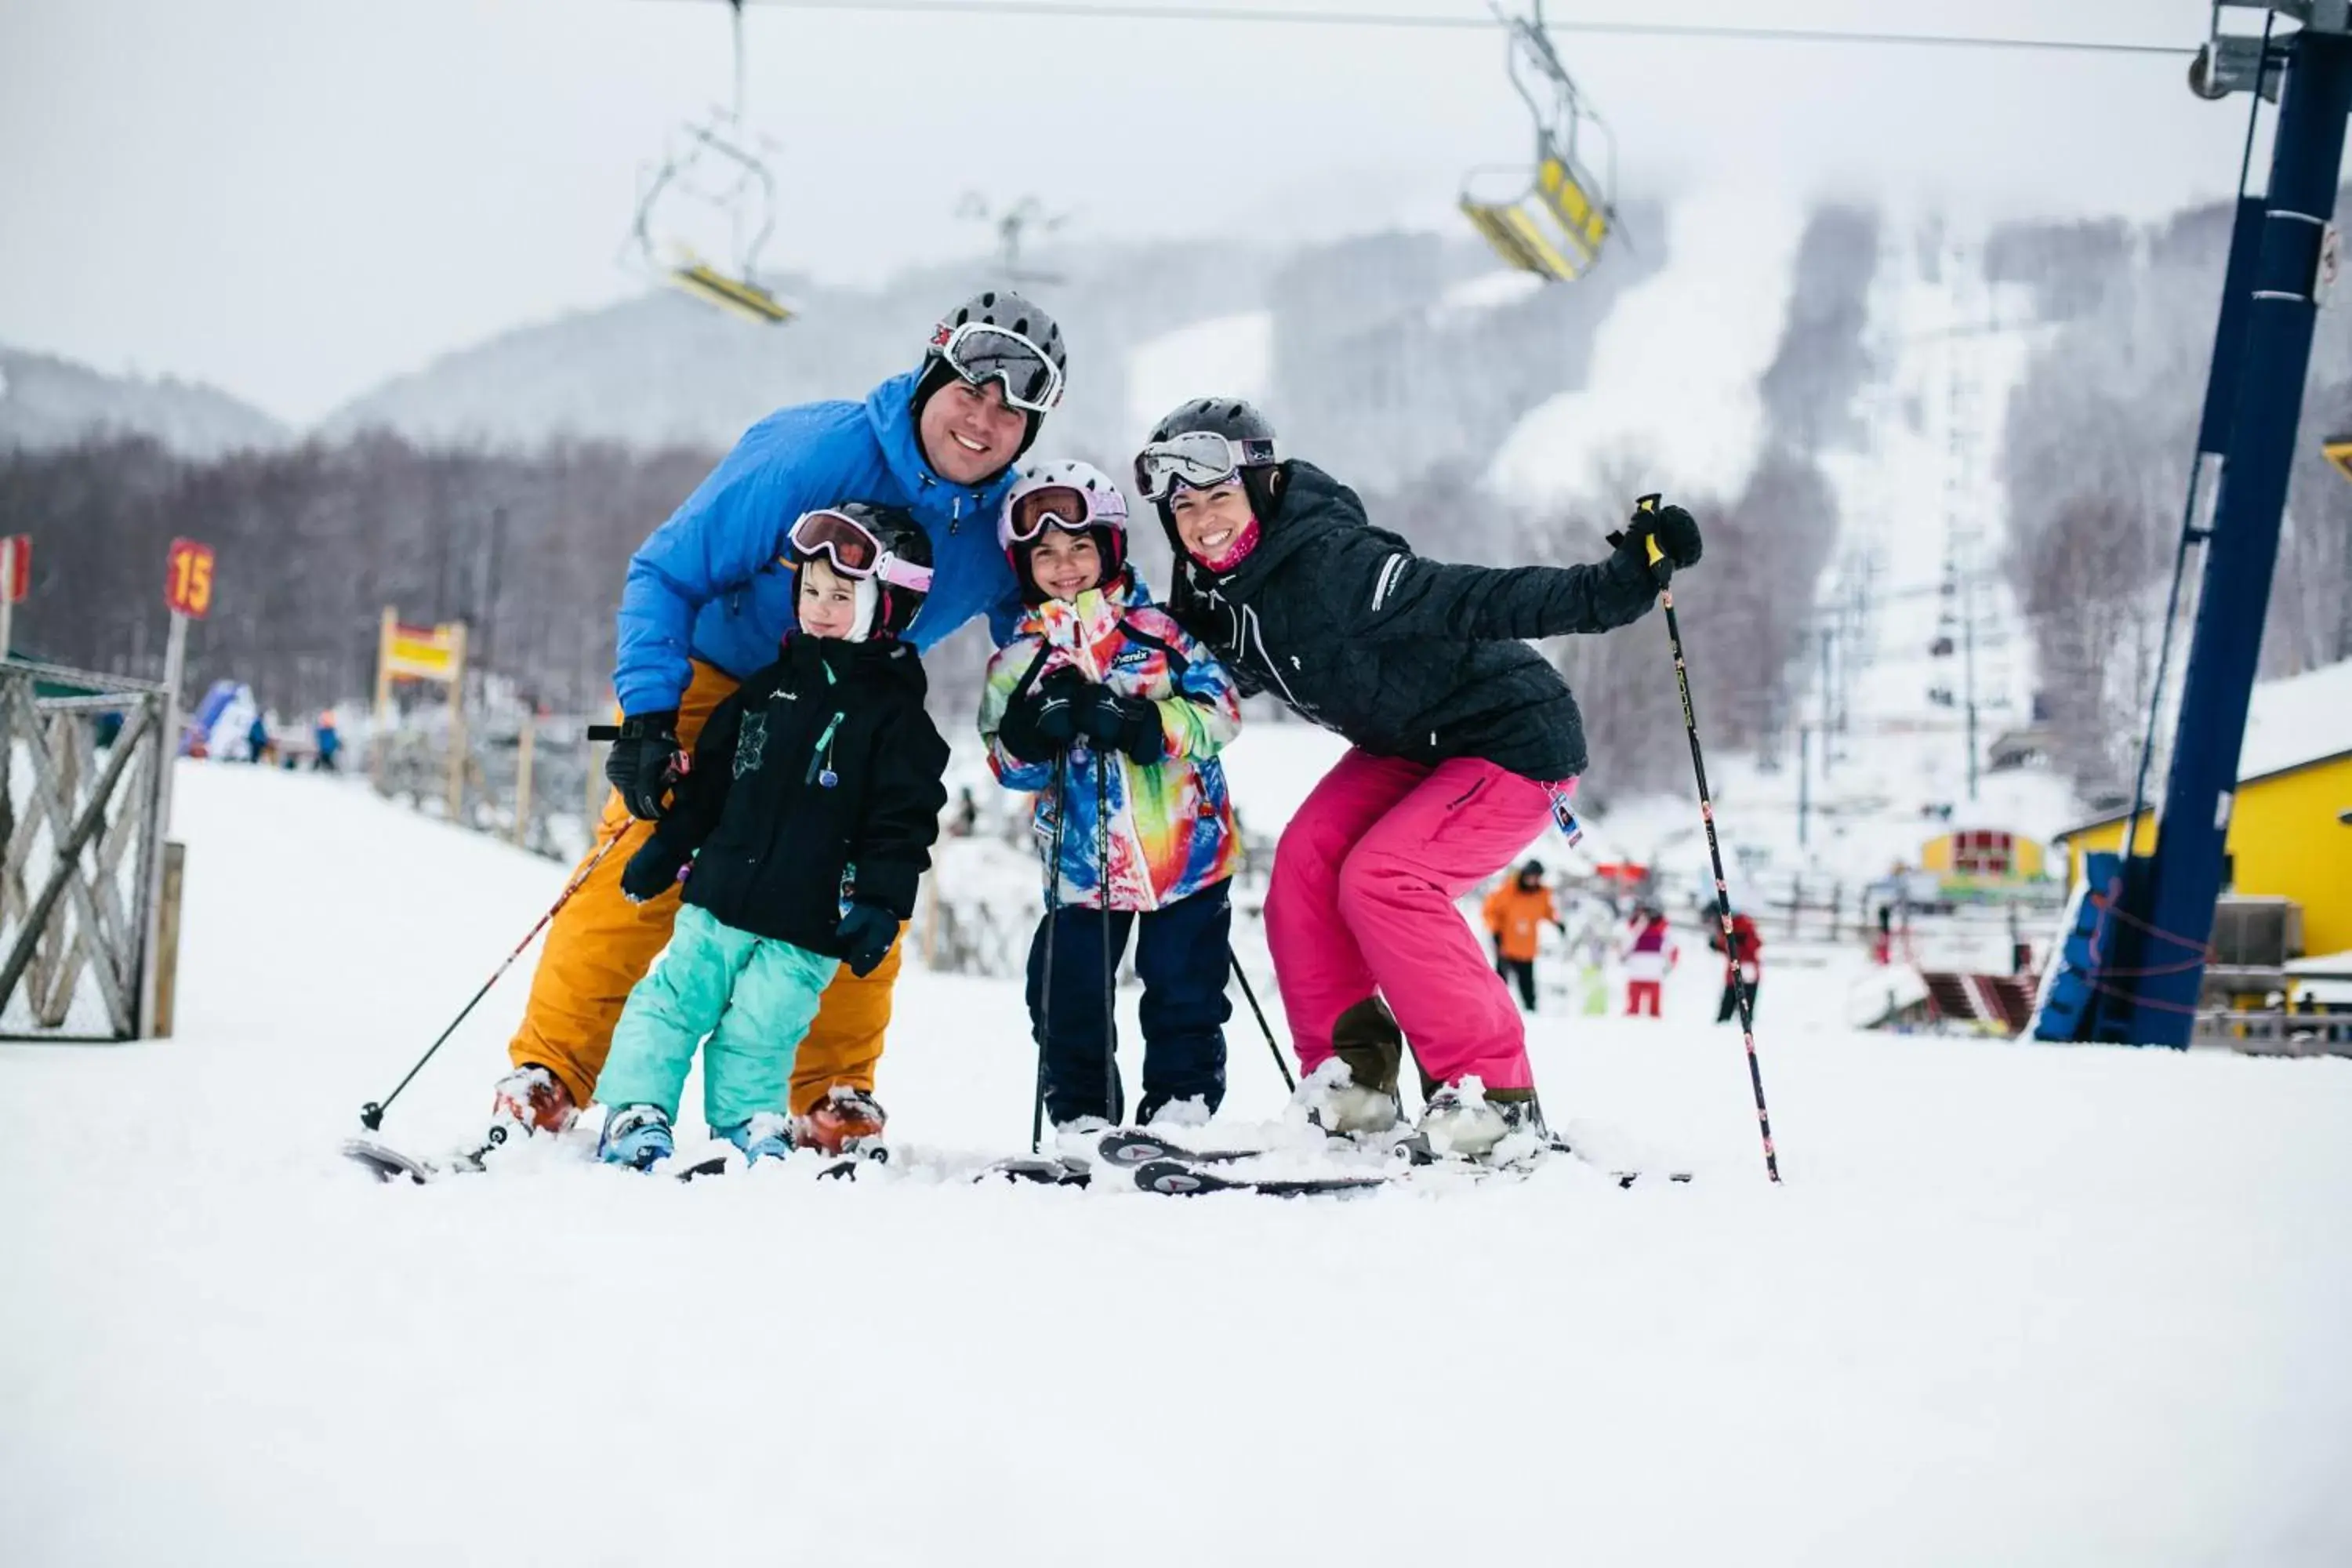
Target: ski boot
[1464,1123]
[1079,1140]
[1335,1102]
[534,1099]
[1173,1113]
[767,1136]
[638,1136]
[845,1122]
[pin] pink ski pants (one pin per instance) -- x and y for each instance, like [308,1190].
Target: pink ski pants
[1362,898]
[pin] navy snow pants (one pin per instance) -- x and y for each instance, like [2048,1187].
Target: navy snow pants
[1182,957]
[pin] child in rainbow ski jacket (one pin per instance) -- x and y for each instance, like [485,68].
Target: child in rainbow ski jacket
[1112,715]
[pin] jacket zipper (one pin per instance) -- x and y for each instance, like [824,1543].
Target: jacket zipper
[1249,622]
[817,752]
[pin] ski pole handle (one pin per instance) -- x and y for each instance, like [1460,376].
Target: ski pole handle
[1647,506]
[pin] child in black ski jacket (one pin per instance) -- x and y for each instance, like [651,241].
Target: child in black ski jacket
[800,831]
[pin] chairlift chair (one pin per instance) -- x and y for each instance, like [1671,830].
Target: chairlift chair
[715,165]
[1554,222]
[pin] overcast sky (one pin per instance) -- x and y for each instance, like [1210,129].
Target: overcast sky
[296,198]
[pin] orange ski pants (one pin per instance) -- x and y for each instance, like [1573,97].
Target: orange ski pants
[601,944]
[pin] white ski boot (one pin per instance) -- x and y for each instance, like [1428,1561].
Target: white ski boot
[1461,1122]
[1333,1100]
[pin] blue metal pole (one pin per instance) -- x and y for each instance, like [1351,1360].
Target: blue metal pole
[2185,881]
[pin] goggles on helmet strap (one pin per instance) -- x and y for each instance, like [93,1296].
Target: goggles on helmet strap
[1199,459]
[982,353]
[1065,506]
[853,552]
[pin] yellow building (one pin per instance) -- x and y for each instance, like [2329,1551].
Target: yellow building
[2289,834]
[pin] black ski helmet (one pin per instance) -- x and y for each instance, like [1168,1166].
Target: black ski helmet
[893,605]
[997,307]
[1236,419]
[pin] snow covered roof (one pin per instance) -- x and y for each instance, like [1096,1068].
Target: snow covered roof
[2292,723]
[2301,720]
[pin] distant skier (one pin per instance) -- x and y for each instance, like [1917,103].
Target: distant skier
[329,742]
[1650,956]
[707,598]
[1743,962]
[1464,741]
[813,799]
[1516,913]
[256,739]
[1105,709]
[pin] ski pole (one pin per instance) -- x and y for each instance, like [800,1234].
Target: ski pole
[1112,1088]
[372,1113]
[1046,986]
[1644,506]
[1250,995]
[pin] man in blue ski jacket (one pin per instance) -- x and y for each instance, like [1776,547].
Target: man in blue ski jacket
[706,601]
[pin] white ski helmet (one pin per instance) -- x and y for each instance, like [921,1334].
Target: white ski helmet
[1075,497]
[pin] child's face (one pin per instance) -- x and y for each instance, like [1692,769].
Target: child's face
[1208,520]
[828,601]
[1065,564]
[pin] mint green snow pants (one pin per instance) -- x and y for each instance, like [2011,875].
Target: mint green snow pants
[753,996]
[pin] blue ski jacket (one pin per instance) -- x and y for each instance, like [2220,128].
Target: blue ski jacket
[713,583]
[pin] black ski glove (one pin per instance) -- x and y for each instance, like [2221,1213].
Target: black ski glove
[645,761]
[1675,530]
[1129,724]
[652,871]
[1039,725]
[866,933]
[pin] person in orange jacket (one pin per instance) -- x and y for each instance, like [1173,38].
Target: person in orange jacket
[1514,911]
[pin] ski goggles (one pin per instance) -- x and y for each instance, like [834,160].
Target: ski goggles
[982,353]
[853,552]
[1198,459]
[1065,506]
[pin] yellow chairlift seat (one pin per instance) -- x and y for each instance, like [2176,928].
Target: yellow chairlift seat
[1554,222]
[712,183]
[699,278]
[1554,229]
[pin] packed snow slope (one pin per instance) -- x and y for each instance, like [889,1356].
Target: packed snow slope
[2014,1304]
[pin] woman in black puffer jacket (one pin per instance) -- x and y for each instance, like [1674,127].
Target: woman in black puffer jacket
[1464,741]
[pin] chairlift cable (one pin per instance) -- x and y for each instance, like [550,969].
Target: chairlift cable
[1111,10]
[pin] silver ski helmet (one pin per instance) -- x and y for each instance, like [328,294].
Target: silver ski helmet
[998,335]
[1075,497]
[892,579]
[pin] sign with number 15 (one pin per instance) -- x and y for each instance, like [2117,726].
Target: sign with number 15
[188,579]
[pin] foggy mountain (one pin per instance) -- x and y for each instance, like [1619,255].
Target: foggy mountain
[46,403]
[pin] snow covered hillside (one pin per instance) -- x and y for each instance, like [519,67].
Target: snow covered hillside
[2014,1304]
[1676,366]
[1912,619]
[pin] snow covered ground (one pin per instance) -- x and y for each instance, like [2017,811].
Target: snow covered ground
[2014,1304]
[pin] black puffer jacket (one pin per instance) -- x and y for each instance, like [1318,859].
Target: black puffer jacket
[1405,657]
[780,849]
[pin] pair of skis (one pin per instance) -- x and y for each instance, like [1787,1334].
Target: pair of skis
[389,1164]
[1155,1164]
